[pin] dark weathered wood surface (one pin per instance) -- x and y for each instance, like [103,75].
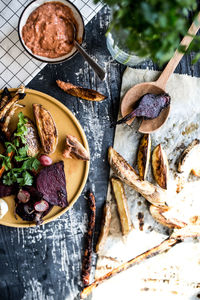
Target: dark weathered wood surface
[44,263]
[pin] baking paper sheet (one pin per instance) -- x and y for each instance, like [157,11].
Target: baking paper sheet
[175,274]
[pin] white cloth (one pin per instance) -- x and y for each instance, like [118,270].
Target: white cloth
[16,66]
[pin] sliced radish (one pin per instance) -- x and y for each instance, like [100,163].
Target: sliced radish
[23,196]
[41,206]
[45,160]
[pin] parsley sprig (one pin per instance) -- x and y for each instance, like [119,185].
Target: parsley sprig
[20,175]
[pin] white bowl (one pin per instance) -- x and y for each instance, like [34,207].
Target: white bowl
[35,4]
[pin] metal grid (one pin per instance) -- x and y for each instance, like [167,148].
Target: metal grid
[16,66]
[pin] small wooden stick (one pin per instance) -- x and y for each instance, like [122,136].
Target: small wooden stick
[161,248]
[87,258]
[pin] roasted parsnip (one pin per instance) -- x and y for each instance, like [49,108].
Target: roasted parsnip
[19,95]
[143,156]
[122,206]
[127,174]
[7,118]
[160,166]
[80,92]
[157,214]
[74,149]
[190,160]
[5,97]
[105,227]
[161,248]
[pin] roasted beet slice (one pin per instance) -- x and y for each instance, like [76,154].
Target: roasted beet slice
[7,190]
[149,107]
[52,184]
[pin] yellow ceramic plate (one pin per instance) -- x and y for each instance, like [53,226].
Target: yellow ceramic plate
[76,171]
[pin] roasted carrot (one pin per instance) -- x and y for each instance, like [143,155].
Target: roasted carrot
[87,257]
[161,248]
[10,154]
[80,92]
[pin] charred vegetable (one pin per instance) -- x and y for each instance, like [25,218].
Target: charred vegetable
[158,214]
[5,97]
[32,139]
[6,120]
[74,149]
[20,94]
[160,166]
[80,92]
[46,128]
[190,159]
[51,183]
[122,206]
[127,174]
[87,257]
[161,248]
[143,156]
[149,107]
[105,227]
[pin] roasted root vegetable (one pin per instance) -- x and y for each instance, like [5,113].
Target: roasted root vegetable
[46,128]
[105,227]
[192,231]
[2,169]
[161,248]
[19,95]
[143,156]
[7,118]
[80,92]
[32,139]
[5,97]
[74,149]
[158,214]
[122,206]
[190,160]
[149,107]
[160,166]
[127,174]
[87,257]
[51,183]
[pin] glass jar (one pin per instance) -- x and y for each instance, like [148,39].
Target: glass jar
[119,52]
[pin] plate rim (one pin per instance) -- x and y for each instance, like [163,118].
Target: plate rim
[87,163]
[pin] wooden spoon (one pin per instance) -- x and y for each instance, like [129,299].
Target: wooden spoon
[157,87]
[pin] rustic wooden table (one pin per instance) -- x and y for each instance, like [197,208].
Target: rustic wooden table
[44,263]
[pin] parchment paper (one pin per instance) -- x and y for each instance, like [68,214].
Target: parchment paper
[175,274]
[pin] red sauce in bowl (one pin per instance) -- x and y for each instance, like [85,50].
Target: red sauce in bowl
[49,31]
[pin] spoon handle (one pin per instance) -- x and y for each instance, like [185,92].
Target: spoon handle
[97,69]
[172,64]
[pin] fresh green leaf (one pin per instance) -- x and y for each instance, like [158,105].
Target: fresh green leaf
[151,28]
[23,151]
[6,162]
[10,147]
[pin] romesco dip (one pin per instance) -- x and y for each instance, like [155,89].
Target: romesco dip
[49,31]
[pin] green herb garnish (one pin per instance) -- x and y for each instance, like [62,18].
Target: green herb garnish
[20,175]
